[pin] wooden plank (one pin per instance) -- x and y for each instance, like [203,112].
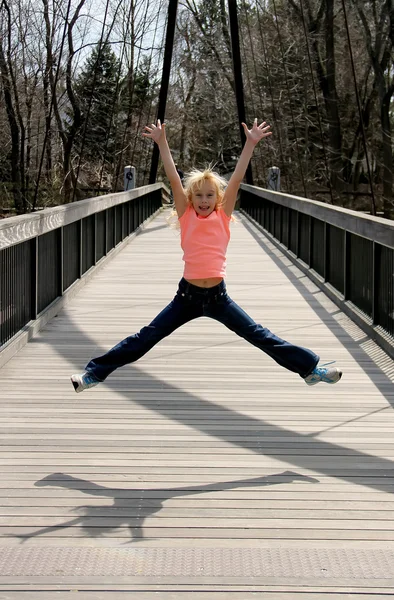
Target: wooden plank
[44,505]
[219,512]
[200,592]
[364,536]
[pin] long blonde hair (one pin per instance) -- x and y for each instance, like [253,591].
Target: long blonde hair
[193,182]
[195,179]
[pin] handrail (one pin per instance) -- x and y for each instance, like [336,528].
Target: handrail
[44,254]
[348,254]
[14,230]
[373,228]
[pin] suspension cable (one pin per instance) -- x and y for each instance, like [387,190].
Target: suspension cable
[116,92]
[137,137]
[130,99]
[373,203]
[328,175]
[246,62]
[289,95]
[148,156]
[101,44]
[274,113]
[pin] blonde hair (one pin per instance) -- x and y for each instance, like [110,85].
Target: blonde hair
[195,179]
[193,182]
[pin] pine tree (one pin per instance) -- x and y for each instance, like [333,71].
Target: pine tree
[96,87]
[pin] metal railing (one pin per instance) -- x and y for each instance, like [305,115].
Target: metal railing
[42,254]
[348,254]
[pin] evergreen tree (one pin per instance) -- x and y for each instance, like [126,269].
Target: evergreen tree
[96,87]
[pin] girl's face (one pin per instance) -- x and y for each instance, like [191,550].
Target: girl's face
[204,199]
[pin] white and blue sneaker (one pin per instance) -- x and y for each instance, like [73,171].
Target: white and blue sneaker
[325,374]
[84,381]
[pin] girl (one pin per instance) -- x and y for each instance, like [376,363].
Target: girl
[204,207]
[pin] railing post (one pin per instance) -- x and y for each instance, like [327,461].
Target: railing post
[115,213]
[60,241]
[346,266]
[129,178]
[273,182]
[106,232]
[297,248]
[34,278]
[95,239]
[280,223]
[325,251]
[375,279]
[80,248]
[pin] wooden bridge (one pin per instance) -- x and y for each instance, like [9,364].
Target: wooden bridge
[204,470]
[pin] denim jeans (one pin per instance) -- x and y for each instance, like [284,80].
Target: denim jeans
[189,303]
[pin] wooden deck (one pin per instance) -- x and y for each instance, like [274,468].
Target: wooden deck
[204,470]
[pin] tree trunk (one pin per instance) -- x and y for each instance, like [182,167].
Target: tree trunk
[46,90]
[332,103]
[15,134]
[326,74]
[387,155]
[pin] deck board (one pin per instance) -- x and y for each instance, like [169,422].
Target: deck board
[204,470]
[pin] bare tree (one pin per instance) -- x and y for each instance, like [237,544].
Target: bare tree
[11,99]
[377,20]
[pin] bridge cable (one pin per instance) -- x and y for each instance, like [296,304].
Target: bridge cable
[328,174]
[274,113]
[373,205]
[137,137]
[260,148]
[290,102]
[101,44]
[128,121]
[116,95]
[143,147]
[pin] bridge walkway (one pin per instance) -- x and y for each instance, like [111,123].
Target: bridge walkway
[204,470]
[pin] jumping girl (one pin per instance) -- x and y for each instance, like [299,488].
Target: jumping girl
[204,207]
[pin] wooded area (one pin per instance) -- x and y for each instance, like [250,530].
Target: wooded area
[79,80]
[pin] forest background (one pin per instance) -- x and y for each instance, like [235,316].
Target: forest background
[79,80]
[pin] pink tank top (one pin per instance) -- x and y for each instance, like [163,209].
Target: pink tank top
[204,241]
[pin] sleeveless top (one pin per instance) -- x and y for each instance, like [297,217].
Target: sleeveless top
[204,241]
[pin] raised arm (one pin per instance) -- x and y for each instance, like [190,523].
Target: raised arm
[253,136]
[157,133]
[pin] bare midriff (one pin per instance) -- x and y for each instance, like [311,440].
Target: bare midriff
[206,283]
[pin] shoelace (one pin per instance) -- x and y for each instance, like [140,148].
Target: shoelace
[322,367]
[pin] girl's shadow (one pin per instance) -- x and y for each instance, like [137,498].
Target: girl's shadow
[131,507]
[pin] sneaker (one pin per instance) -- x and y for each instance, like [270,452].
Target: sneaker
[323,373]
[83,382]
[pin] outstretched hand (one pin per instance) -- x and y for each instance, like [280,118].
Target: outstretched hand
[257,132]
[155,132]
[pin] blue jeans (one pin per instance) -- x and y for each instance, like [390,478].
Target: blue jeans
[189,303]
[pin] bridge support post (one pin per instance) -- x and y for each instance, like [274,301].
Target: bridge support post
[273,179]
[172,10]
[129,178]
